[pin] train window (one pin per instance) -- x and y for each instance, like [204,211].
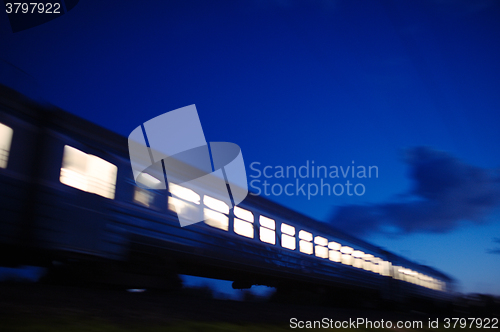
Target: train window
[5,142]
[143,196]
[215,204]
[412,274]
[358,258]
[243,214]
[305,244]
[288,237]
[184,193]
[88,173]
[243,226]
[306,236]
[346,259]
[395,272]
[346,250]
[215,212]
[188,210]
[375,266]
[432,283]
[425,281]
[346,255]
[321,241]
[267,235]
[335,256]
[385,268]
[187,204]
[288,241]
[306,247]
[334,246]
[402,273]
[367,264]
[267,222]
[287,229]
[429,282]
[216,219]
[419,280]
[149,181]
[267,227]
[320,249]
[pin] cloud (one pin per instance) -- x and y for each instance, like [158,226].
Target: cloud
[445,193]
[496,250]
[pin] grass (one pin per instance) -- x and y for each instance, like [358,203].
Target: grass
[93,325]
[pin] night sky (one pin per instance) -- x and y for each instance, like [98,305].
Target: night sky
[411,87]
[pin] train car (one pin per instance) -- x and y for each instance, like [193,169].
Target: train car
[69,197]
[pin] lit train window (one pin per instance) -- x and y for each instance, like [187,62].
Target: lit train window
[143,196]
[243,214]
[267,230]
[287,229]
[358,259]
[306,236]
[413,275]
[288,237]
[243,226]
[288,242]
[321,241]
[5,142]
[420,280]
[346,259]
[88,173]
[188,210]
[367,264]
[215,213]
[320,249]
[147,180]
[184,202]
[334,254]
[425,281]
[216,219]
[385,268]
[334,245]
[346,255]
[215,204]
[306,247]
[346,250]
[409,274]
[402,274]
[433,283]
[267,222]
[375,266]
[305,244]
[184,193]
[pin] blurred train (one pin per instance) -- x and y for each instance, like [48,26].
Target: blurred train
[68,197]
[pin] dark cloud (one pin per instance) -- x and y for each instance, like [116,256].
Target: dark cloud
[445,193]
[496,250]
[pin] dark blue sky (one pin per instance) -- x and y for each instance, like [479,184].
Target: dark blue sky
[296,81]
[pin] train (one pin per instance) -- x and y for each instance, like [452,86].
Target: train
[68,197]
